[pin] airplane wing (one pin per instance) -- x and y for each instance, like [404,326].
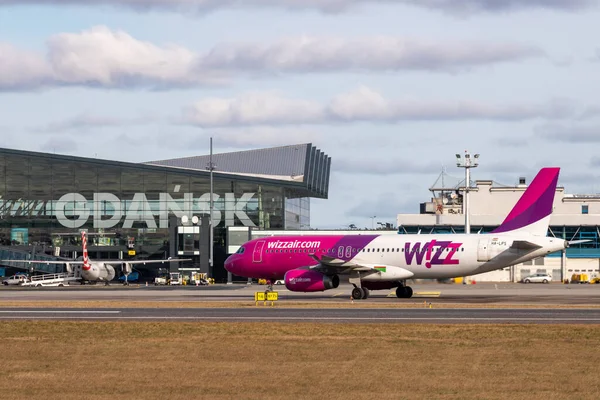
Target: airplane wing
[102,261]
[44,261]
[144,261]
[336,263]
[344,267]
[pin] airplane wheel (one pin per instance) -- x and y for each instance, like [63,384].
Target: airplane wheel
[357,293]
[366,293]
[401,292]
[404,292]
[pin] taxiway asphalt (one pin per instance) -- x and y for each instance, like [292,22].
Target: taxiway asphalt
[483,293]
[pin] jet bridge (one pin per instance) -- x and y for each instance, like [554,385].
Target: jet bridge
[10,253]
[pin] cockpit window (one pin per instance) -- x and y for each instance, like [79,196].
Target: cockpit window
[240,250]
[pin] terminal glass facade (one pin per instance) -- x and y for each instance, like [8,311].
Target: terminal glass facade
[46,199]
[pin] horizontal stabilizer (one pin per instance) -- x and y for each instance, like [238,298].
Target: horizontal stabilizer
[579,241]
[524,245]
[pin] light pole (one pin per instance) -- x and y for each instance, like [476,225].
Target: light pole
[373,222]
[467,164]
[211,168]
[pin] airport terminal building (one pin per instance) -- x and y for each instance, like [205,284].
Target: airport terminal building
[575,217]
[145,210]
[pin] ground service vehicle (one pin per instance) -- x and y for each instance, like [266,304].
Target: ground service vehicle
[537,278]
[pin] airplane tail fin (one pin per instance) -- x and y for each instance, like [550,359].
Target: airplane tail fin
[532,212]
[86,260]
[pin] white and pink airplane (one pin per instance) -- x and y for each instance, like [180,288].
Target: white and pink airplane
[376,262]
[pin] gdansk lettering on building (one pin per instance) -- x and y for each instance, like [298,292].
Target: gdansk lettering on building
[73,210]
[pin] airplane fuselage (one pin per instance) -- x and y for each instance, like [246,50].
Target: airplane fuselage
[98,272]
[393,257]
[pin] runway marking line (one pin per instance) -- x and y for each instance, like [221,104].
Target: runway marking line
[427,294]
[59,312]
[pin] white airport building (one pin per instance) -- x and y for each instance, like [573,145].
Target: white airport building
[575,217]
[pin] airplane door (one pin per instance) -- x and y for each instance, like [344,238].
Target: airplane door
[257,254]
[483,250]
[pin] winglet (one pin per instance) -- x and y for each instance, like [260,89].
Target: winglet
[532,212]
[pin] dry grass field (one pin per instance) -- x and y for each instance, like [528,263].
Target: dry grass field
[108,360]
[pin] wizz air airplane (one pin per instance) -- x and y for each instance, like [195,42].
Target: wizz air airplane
[97,270]
[376,262]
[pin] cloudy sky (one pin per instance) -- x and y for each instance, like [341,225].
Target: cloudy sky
[390,89]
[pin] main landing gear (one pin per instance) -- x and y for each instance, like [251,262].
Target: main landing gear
[360,293]
[404,292]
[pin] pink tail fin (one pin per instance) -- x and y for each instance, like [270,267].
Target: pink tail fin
[532,212]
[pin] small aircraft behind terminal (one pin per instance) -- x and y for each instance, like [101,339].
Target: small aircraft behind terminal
[97,270]
[376,262]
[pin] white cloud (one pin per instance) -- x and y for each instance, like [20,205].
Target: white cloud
[450,6]
[379,53]
[21,69]
[101,57]
[253,109]
[114,58]
[363,104]
[477,6]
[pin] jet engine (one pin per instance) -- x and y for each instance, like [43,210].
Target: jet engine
[305,280]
